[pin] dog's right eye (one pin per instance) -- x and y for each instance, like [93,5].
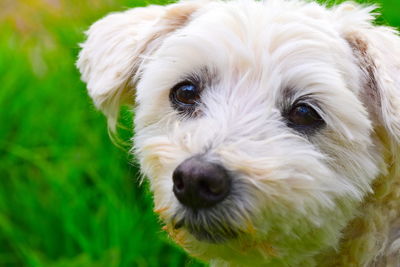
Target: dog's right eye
[185,96]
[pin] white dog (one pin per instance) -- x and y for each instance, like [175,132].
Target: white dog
[269,130]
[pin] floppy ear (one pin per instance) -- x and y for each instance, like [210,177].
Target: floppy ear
[377,52]
[116,47]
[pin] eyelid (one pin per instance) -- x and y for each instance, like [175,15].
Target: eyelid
[309,101]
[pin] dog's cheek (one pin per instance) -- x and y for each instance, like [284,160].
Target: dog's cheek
[283,174]
[156,156]
[357,162]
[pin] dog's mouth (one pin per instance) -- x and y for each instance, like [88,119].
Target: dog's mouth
[207,226]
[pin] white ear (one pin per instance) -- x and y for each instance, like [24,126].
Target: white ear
[377,52]
[115,49]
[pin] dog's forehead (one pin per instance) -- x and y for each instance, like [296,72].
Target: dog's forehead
[260,25]
[242,36]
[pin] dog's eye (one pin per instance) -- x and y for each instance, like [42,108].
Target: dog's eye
[302,117]
[185,95]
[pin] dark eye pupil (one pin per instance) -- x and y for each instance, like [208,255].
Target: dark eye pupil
[185,97]
[187,94]
[303,116]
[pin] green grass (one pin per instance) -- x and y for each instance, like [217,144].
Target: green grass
[68,196]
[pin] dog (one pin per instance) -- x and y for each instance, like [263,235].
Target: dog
[269,131]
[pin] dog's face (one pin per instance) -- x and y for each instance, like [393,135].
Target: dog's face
[257,124]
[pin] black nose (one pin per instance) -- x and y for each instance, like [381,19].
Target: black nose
[200,184]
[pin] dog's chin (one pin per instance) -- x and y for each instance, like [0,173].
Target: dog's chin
[213,237]
[206,227]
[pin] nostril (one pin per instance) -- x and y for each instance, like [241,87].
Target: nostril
[211,187]
[178,182]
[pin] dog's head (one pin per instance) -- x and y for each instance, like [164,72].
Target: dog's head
[260,125]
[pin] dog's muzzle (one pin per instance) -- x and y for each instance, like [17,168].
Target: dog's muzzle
[200,184]
[207,192]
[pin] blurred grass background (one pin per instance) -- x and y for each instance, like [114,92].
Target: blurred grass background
[68,196]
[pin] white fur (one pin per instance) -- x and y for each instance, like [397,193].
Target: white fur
[327,199]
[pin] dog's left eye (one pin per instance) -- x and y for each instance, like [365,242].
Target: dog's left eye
[184,95]
[302,117]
